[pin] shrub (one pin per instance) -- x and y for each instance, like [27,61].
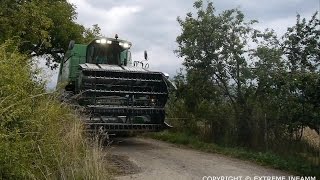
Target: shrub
[40,138]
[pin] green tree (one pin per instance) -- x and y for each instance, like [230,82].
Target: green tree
[42,28]
[302,49]
[272,82]
[91,33]
[301,45]
[215,46]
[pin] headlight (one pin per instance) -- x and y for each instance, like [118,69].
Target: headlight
[124,45]
[103,41]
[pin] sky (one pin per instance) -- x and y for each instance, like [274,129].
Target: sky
[152,24]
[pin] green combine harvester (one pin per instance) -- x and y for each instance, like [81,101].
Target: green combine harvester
[116,93]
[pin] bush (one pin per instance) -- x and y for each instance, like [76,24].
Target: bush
[40,138]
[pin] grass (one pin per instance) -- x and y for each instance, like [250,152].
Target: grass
[296,165]
[40,137]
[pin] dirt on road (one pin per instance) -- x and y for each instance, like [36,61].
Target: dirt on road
[139,158]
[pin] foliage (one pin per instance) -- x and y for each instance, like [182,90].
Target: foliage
[301,45]
[40,138]
[267,92]
[42,27]
[302,49]
[245,87]
[91,33]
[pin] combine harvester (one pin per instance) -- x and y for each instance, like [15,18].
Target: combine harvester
[117,94]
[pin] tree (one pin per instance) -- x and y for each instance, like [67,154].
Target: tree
[274,81]
[301,45]
[91,33]
[215,47]
[41,27]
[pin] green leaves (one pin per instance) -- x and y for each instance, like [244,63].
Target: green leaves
[302,44]
[91,33]
[40,138]
[255,74]
[42,28]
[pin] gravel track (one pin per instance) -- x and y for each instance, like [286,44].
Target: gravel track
[139,158]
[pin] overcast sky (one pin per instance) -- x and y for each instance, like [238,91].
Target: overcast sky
[151,24]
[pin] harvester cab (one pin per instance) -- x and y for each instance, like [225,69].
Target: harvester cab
[109,51]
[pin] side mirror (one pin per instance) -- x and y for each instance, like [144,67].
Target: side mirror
[71,45]
[129,56]
[91,51]
[145,55]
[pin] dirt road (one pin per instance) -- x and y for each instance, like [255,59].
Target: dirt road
[140,158]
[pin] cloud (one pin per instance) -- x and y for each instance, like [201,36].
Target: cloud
[280,25]
[267,10]
[152,25]
[110,19]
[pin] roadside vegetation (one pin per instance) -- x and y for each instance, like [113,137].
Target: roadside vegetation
[40,137]
[290,162]
[246,92]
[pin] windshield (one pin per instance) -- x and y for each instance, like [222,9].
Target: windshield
[106,54]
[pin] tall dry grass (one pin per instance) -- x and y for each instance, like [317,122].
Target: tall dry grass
[40,137]
[312,137]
